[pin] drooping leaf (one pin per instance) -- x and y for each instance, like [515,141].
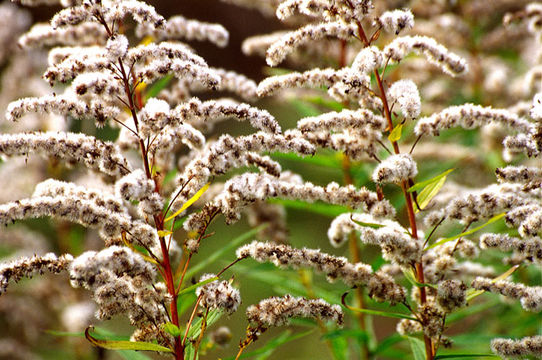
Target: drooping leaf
[190,201]
[418,348]
[396,133]
[125,354]
[468,232]
[422,184]
[124,345]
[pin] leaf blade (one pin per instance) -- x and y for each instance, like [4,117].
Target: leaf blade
[123,344]
[469,232]
[189,202]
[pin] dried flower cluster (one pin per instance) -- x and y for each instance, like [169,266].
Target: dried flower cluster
[378,91]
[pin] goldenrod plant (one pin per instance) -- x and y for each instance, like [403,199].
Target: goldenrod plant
[418,124]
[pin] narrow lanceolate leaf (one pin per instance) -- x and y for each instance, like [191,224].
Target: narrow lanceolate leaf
[132,247]
[466,356]
[124,345]
[469,232]
[195,286]
[472,293]
[364,224]
[376,312]
[190,201]
[396,133]
[429,192]
[418,348]
[422,184]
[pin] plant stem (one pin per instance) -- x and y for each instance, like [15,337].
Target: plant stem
[158,219]
[408,198]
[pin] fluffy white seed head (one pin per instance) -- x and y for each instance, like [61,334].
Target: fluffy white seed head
[395,169]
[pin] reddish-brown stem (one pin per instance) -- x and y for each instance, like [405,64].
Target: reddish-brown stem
[404,187]
[158,220]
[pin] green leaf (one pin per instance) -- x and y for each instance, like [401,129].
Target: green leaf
[388,342]
[472,231]
[382,313]
[347,333]
[409,275]
[418,348]
[469,356]
[330,161]
[304,109]
[172,329]
[429,192]
[212,317]
[185,302]
[330,104]
[371,225]
[317,207]
[396,133]
[266,351]
[158,86]
[124,345]
[195,286]
[422,184]
[470,310]
[232,244]
[375,312]
[125,354]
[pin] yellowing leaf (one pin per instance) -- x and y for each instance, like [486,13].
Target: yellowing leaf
[429,192]
[129,244]
[190,201]
[396,133]
[472,293]
[124,345]
[422,184]
[164,233]
[146,40]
